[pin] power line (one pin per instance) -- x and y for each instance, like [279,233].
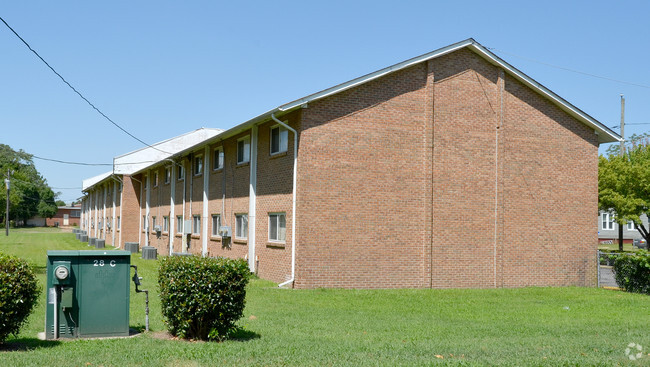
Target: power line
[571,70]
[90,164]
[75,90]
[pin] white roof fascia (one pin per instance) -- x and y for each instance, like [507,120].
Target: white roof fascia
[90,182]
[140,159]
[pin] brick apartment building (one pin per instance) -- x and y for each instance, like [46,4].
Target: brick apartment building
[451,169]
[65,216]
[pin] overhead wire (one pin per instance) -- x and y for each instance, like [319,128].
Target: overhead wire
[571,70]
[75,90]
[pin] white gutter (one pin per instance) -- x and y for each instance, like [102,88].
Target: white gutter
[206,188]
[293,201]
[252,199]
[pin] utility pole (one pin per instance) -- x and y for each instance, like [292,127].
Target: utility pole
[622,150]
[7,212]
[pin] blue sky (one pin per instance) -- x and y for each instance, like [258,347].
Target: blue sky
[162,68]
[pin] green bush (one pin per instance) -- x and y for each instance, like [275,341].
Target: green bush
[632,271]
[19,292]
[202,298]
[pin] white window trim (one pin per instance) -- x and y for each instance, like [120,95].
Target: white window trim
[198,156]
[237,226]
[247,139]
[609,220]
[277,214]
[282,149]
[216,159]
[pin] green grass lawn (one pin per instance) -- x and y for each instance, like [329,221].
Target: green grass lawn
[409,327]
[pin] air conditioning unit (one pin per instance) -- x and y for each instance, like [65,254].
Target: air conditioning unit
[225,231]
[187,227]
[157,228]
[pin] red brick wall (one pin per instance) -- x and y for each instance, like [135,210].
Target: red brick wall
[446,174]
[130,227]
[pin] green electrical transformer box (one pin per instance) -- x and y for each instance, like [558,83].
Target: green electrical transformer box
[87,294]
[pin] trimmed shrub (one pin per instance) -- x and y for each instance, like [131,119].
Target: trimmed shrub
[202,298]
[632,271]
[19,292]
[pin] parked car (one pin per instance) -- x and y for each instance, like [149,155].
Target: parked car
[640,243]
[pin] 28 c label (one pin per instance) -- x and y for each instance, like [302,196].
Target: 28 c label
[102,263]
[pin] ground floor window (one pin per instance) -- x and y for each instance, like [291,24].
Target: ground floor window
[165,224]
[196,224]
[179,223]
[277,227]
[241,226]
[216,224]
[119,222]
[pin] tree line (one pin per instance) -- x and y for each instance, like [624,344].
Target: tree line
[29,193]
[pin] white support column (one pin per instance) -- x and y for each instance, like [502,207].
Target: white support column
[104,211]
[140,213]
[172,211]
[121,206]
[114,214]
[206,190]
[96,214]
[252,200]
[148,209]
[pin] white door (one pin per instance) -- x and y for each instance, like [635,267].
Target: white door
[66,219]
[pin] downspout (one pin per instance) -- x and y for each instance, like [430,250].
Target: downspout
[293,201]
[252,200]
[206,188]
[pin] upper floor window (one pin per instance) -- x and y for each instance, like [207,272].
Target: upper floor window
[168,174]
[279,139]
[607,221]
[155,179]
[218,159]
[198,165]
[181,172]
[244,150]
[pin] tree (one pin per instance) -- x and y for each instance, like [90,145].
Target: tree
[60,203]
[624,186]
[29,195]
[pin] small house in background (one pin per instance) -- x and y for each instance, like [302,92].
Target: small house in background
[65,216]
[608,229]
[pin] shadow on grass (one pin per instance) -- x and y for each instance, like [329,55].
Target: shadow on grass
[242,335]
[27,344]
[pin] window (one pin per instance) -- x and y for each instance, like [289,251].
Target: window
[168,174]
[277,227]
[179,223]
[196,224]
[218,159]
[198,165]
[165,224]
[241,226]
[119,223]
[119,187]
[607,221]
[155,179]
[631,226]
[144,222]
[244,150]
[216,224]
[181,173]
[153,223]
[279,139]
[75,213]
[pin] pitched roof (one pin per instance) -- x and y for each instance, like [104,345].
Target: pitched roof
[605,134]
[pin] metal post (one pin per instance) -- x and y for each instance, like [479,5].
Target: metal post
[7,212]
[622,149]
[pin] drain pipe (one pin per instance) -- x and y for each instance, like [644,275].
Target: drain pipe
[293,201]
